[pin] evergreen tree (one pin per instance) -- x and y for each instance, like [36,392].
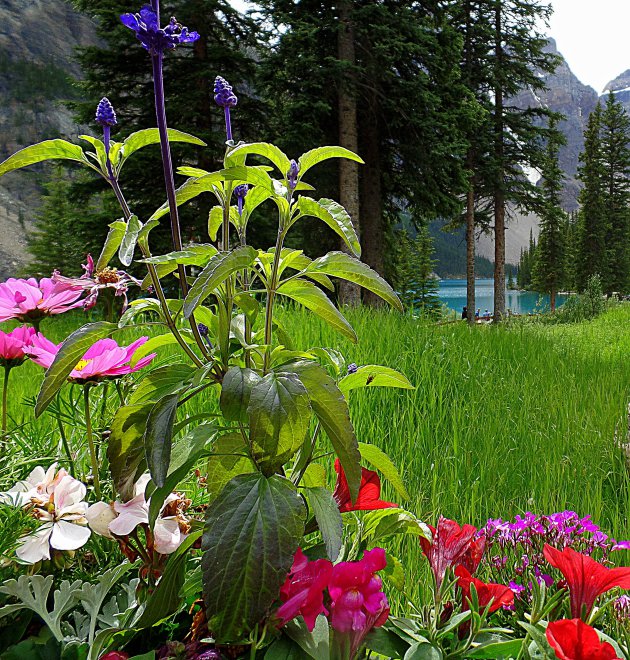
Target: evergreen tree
[571,235]
[548,269]
[119,69]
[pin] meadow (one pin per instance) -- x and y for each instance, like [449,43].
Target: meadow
[503,420]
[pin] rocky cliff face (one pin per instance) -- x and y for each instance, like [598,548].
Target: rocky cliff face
[37,69]
[620,86]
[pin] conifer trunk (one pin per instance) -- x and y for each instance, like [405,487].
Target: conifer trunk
[552,300]
[349,293]
[470,253]
[499,188]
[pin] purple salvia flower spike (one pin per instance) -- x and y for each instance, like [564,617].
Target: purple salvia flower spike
[153,38]
[106,117]
[225,98]
[292,175]
[240,192]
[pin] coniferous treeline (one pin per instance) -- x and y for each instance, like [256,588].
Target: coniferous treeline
[423,91]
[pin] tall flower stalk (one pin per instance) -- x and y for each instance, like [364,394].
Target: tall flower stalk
[90,439]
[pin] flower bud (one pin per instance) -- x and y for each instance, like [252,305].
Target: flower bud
[105,115]
[292,175]
[223,94]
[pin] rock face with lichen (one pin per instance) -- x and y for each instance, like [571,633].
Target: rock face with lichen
[37,74]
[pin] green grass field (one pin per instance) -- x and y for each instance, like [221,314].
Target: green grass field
[502,420]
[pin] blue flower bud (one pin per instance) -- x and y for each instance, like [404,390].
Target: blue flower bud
[240,193]
[223,94]
[352,368]
[153,38]
[203,329]
[105,115]
[292,175]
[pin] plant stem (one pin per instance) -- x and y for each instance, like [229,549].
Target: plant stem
[90,439]
[271,294]
[5,390]
[64,439]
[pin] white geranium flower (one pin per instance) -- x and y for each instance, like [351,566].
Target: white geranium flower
[64,521]
[36,488]
[99,516]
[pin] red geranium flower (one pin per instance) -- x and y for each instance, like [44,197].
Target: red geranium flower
[488,593]
[587,578]
[369,492]
[303,590]
[452,546]
[572,639]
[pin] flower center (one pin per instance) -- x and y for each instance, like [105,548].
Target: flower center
[107,276]
[81,364]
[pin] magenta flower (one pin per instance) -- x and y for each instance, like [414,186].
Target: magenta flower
[29,301]
[358,602]
[12,345]
[303,591]
[104,359]
[93,281]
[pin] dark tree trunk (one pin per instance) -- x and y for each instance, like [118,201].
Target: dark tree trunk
[552,299]
[373,235]
[349,293]
[470,253]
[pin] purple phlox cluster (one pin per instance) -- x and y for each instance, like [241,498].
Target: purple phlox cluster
[154,38]
[105,115]
[240,192]
[514,549]
[223,94]
[621,609]
[292,175]
[93,282]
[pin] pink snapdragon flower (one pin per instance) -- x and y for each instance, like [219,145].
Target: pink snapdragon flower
[29,301]
[358,603]
[303,591]
[94,281]
[64,522]
[104,359]
[121,518]
[12,345]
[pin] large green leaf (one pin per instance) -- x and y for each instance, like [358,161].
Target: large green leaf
[158,437]
[374,375]
[47,150]
[71,351]
[148,136]
[335,216]
[219,268]
[313,298]
[332,411]
[236,390]
[279,418]
[344,266]
[315,156]
[257,176]
[160,341]
[192,255]
[191,189]
[328,519]
[125,448]
[128,243]
[162,382]
[269,151]
[505,648]
[382,462]
[112,243]
[228,459]
[215,220]
[251,534]
[382,524]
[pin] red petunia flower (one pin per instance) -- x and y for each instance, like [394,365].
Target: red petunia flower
[303,590]
[587,579]
[452,546]
[488,593]
[369,492]
[572,639]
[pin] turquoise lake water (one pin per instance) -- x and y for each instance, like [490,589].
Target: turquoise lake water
[453,294]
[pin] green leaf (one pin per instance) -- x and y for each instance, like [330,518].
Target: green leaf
[251,534]
[385,523]
[495,650]
[284,649]
[128,243]
[386,643]
[315,156]
[257,176]
[378,459]
[219,268]
[317,643]
[158,437]
[269,151]
[215,220]
[157,342]
[314,476]
[125,448]
[335,216]
[235,393]
[70,352]
[374,375]
[313,298]
[423,651]
[229,458]
[112,243]
[162,382]
[346,267]
[47,150]
[279,418]
[328,519]
[147,136]
[191,189]
[332,411]
[193,255]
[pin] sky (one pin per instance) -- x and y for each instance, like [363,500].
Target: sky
[593,37]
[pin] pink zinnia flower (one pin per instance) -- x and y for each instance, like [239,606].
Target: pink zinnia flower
[12,345]
[29,301]
[104,359]
[93,281]
[358,602]
[303,590]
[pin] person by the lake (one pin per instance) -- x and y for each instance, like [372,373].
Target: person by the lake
[465,312]
[478,313]
[486,314]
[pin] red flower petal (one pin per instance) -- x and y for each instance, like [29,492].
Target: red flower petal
[369,492]
[488,593]
[572,639]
